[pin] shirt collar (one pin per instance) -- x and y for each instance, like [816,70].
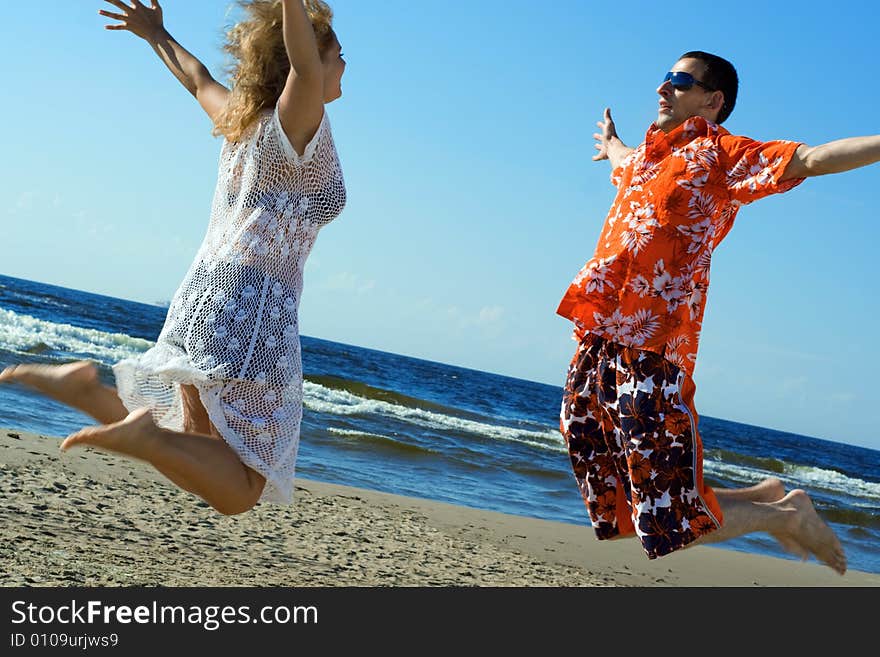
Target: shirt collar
[658,142]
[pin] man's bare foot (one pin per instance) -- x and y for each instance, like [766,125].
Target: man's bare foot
[129,436]
[791,546]
[810,533]
[66,383]
[769,490]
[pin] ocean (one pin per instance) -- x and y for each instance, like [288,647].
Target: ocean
[413,427]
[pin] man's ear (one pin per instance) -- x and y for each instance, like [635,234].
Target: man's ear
[716,101]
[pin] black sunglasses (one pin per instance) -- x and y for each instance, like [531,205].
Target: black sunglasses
[684,81]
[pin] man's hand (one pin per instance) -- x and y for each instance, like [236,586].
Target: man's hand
[137,18]
[603,138]
[608,144]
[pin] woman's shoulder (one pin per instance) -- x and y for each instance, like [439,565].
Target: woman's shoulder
[319,145]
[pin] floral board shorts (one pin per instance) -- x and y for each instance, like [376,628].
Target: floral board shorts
[630,426]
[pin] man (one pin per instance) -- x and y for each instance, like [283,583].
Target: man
[628,416]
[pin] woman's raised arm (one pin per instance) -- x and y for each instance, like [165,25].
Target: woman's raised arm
[147,23]
[301,105]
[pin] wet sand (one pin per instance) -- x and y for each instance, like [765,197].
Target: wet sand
[87,518]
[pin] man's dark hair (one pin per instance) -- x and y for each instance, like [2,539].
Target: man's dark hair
[720,75]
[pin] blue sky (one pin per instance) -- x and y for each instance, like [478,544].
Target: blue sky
[465,133]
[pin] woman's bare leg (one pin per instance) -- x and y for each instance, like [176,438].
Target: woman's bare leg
[202,464]
[195,421]
[74,384]
[195,415]
[197,460]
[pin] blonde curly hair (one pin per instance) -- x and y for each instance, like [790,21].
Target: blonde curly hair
[260,64]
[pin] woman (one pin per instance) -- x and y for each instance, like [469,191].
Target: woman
[216,404]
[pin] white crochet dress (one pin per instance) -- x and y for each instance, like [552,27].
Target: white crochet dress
[232,328]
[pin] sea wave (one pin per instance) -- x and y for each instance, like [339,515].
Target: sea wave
[462,461]
[34,300]
[752,469]
[24,334]
[763,463]
[384,441]
[359,389]
[853,517]
[341,402]
[834,481]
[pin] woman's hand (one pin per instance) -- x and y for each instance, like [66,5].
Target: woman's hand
[137,18]
[146,22]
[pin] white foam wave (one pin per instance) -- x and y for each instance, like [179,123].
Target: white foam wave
[342,402]
[819,478]
[348,433]
[23,333]
[797,476]
[736,472]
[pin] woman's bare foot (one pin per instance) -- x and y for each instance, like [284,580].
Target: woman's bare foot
[810,533]
[75,384]
[61,382]
[129,436]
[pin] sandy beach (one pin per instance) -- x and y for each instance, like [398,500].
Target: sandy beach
[87,518]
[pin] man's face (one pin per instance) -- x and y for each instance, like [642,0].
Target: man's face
[677,106]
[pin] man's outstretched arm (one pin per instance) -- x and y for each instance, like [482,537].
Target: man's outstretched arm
[608,144]
[833,157]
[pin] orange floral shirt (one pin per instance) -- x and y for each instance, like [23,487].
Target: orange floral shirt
[678,194]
